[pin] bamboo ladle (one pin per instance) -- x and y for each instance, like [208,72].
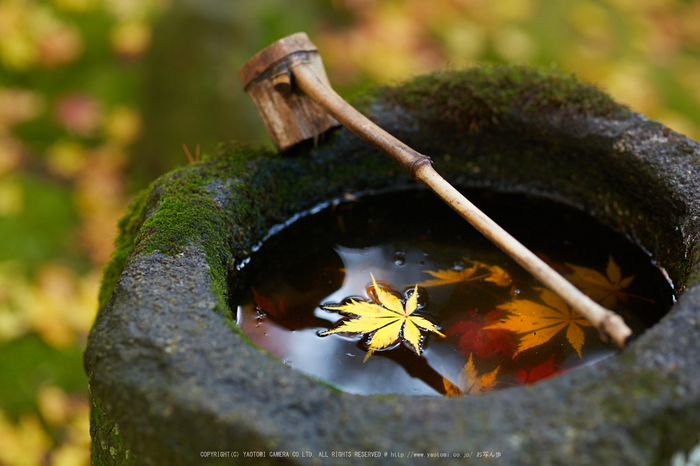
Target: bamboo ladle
[289,87]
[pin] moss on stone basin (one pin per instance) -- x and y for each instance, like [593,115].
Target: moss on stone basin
[171,376]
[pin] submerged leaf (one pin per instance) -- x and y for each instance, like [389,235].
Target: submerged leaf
[451,389]
[389,320]
[471,381]
[446,277]
[497,275]
[605,289]
[475,338]
[491,273]
[537,323]
[544,370]
[267,305]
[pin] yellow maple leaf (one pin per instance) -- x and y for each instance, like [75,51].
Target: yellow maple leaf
[389,321]
[446,277]
[497,275]
[494,274]
[601,288]
[472,382]
[537,323]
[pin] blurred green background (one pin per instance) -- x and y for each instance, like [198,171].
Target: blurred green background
[98,96]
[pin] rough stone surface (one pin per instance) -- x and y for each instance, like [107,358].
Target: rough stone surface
[170,376]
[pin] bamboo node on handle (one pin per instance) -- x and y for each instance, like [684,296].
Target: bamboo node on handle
[417,166]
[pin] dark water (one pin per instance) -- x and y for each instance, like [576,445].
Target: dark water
[328,256]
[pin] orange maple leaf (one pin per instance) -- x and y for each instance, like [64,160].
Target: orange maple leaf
[446,277]
[537,323]
[497,275]
[470,382]
[605,289]
[493,274]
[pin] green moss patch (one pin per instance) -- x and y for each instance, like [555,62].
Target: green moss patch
[181,209]
[108,446]
[481,96]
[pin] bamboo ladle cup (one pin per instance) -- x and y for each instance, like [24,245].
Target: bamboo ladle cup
[289,87]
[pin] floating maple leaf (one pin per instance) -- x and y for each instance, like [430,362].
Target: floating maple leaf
[389,321]
[601,288]
[538,323]
[473,383]
[493,273]
[484,342]
[540,372]
[446,277]
[496,275]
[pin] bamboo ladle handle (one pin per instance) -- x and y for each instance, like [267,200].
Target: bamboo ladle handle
[303,75]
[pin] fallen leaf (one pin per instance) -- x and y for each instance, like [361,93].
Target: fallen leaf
[471,381]
[123,125]
[25,442]
[268,306]
[389,320]
[497,275]
[451,389]
[605,289]
[491,273]
[446,277]
[59,44]
[53,405]
[285,312]
[475,338]
[539,372]
[537,323]
[130,38]
[79,113]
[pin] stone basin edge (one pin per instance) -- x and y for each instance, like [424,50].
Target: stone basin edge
[170,376]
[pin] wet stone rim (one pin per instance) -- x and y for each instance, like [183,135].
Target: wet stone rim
[171,377]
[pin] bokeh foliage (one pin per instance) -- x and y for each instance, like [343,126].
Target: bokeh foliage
[97,97]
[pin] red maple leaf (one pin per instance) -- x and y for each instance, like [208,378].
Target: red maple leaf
[544,370]
[291,310]
[268,306]
[483,342]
